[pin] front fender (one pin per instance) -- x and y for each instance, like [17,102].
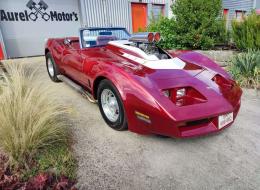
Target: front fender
[201,60]
[134,97]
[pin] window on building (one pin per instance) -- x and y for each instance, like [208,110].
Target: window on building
[226,16]
[240,14]
[225,13]
[157,11]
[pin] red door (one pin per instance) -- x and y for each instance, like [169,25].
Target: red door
[72,62]
[139,16]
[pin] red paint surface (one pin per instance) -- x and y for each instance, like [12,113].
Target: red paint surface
[1,52]
[141,87]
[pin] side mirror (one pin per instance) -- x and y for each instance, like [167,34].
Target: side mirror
[67,41]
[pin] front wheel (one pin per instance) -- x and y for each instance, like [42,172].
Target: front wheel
[111,106]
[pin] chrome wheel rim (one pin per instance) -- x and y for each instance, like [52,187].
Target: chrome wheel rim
[110,105]
[50,68]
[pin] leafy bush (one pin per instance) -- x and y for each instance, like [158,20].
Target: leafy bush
[198,23]
[246,33]
[30,119]
[245,68]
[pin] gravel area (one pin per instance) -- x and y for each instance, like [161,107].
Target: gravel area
[124,160]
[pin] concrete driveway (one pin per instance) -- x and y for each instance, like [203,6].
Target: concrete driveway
[124,160]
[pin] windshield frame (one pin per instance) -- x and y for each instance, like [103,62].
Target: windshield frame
[81,30]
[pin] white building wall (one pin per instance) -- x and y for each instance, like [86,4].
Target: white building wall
[26,37]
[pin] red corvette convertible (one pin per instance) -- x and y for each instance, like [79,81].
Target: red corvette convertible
[143,88]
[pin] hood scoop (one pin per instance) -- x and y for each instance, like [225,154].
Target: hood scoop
[151,61]
[174,63]
[183,71]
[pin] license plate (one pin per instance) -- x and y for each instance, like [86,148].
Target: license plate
[224,120]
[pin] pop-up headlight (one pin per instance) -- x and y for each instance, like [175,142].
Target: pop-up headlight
[180,92]
[184,96]
[222,82]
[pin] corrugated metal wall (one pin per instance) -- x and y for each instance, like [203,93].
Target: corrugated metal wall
[102,13]
[237,5]
[257,4]
[233,5]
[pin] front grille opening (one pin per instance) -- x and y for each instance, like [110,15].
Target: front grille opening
[198,122]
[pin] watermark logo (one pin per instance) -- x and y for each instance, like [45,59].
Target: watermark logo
[37,11]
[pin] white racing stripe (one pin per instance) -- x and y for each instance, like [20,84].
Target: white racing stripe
[150,61]
[174,63]
[121,44]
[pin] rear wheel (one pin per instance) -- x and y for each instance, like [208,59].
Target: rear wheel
[111,106]
[52,68]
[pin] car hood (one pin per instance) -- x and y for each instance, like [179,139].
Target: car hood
[198,70]
[182,70]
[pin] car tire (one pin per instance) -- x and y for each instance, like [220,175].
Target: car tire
[109,99]
[52,68]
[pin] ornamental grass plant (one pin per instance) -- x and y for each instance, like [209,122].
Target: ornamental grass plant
[30,117]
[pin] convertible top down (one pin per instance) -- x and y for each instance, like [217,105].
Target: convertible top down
[143,88]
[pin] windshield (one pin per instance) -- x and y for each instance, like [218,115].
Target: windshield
[101,36]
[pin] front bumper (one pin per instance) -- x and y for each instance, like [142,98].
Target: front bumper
[194,127]
[204,126]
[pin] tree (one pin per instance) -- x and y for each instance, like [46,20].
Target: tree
[198,23]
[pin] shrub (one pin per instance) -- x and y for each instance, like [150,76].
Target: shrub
[245,68]
[246,33]
[198,23]
[30,118]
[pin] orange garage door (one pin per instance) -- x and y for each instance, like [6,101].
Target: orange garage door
[139,16]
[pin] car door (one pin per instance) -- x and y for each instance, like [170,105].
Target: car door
[92,56]
[73,62]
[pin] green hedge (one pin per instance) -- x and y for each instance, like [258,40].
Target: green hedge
[246,33]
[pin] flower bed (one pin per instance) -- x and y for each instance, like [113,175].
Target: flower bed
[34,134]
